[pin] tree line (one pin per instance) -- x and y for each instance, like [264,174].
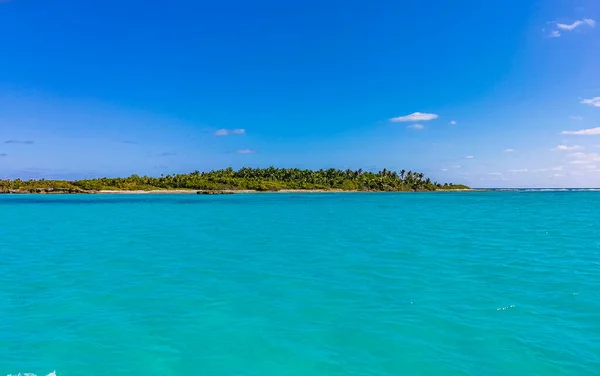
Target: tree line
[259,179]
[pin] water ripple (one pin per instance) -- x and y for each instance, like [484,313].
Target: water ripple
[487,283]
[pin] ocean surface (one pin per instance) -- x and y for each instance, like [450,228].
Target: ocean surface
[465,283]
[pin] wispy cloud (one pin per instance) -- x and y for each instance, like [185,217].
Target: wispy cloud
[580,161]
[585,158]
[469,157]
[415,116]
[495,173]
[161,154]
[43,169]
[416,127]
[568,148]
[519,170]
[570,27]
[246,151]
[227,132]
[554,34]
[223,132]
[453,122]
[576,117]
[595,102]
[509,150]
[556,28]
[456,166]
[22,142]
[556,168]
[584,132]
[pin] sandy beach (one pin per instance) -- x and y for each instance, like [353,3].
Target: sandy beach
[242,191]
[226,191]
[154,192]
[220,192]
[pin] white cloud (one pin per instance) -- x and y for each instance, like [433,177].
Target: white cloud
[586,156]
[417,127]
[569,27]
[519,170]
[584,132]
[568,148]
[557,168]
[555,31]
[416,116]
[580,162]
[576,117]
[576,24]
[246,151]
[595,102]
[444,169]
[456,166]
[585,159]
[509,150]
[495,173]
[453,122]
[469,157]
[227,132]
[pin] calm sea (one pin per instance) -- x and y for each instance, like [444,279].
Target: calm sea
[466,283]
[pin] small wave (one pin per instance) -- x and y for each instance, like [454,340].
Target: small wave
[505,308]
[53,373]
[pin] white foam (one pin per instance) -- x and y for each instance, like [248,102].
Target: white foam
[53,373]
[505,308]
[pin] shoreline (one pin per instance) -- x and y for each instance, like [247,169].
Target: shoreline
[222,192]
[219,192]
[246,191]
[243,180]
[216,192]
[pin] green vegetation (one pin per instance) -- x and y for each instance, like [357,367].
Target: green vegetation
[453,187]
[259,179]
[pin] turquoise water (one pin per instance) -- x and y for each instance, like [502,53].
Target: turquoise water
[301,284]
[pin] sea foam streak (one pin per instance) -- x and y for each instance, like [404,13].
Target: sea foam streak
[53,373]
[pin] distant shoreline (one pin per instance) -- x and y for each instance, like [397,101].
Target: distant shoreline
[244,180]
[245,191]
[210,193]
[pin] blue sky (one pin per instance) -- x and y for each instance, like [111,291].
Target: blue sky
[490,94]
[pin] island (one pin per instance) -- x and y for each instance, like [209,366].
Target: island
[243,180]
